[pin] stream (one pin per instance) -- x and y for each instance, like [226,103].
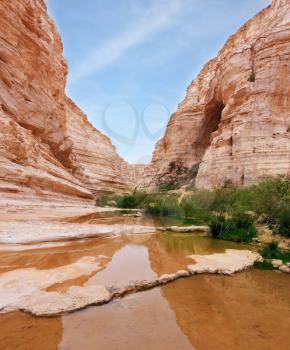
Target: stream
[249,310]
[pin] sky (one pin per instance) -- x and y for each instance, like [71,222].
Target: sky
[130,61]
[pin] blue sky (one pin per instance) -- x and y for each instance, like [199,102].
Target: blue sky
[130,61]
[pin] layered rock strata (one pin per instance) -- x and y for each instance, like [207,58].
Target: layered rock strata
[234,122]
[47,145]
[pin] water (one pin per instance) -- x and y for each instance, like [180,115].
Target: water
[248,311]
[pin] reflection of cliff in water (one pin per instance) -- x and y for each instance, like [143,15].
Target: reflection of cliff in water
[168,252]
[248,311]
[22,331]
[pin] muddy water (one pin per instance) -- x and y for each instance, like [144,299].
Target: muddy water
[248,311]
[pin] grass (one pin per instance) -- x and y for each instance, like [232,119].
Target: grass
[163,187]
[163,206]
[231,211]
[266,265]
[238,228]
[269,252]
[272,251]
[102,201]
[160,204]
[131,201]
[284,223]
[272,198]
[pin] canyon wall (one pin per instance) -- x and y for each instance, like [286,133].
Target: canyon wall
[233,125]
[234,122]
[47,145]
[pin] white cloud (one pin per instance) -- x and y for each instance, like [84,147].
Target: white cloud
[150,21]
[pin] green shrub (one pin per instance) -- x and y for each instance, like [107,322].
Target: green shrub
[284,223]
[164,206]
[131,201]
[153,203]
[128,202]
[267,265]
[163,187]
[238,228]
[272,251]
[102,201]
[272,197]
[197,206]
[218,226]
[233,200]
[199,216]
[225,208]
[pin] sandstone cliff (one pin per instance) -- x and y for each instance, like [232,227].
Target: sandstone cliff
[47,144]
[234,121]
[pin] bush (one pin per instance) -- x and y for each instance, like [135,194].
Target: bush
[267,265]
[153,203]
[238,228]
[233,200]
[197,206]
[163,187]
[128,202]
[284,223]
[164,206]
[272,197]
[199,216]
[131,201]
[103,201]
[272,251]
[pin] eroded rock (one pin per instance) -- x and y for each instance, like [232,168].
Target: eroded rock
[223,263]
[36,232]
[233,124]
[277,263]
[26,289]
[184,229]
[75,298]
[285,268]
[47,145]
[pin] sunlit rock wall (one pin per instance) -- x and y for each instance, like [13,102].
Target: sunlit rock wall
[235,117]
[46,142]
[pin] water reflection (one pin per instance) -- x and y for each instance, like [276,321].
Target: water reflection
[248,311]
[140,321]
[130,263]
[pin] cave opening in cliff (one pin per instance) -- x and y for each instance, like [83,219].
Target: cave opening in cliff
[212,117]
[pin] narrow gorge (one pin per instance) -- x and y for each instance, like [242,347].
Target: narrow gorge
[233,122]
[189,251]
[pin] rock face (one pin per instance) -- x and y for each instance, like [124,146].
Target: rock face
[47,144]
[234,121]
[92,157]
[28,289]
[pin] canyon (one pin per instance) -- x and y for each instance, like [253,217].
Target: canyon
[233,124]
[71,272]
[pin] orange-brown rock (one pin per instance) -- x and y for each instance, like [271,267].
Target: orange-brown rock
[46,142]
[92,157]
[235,117]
